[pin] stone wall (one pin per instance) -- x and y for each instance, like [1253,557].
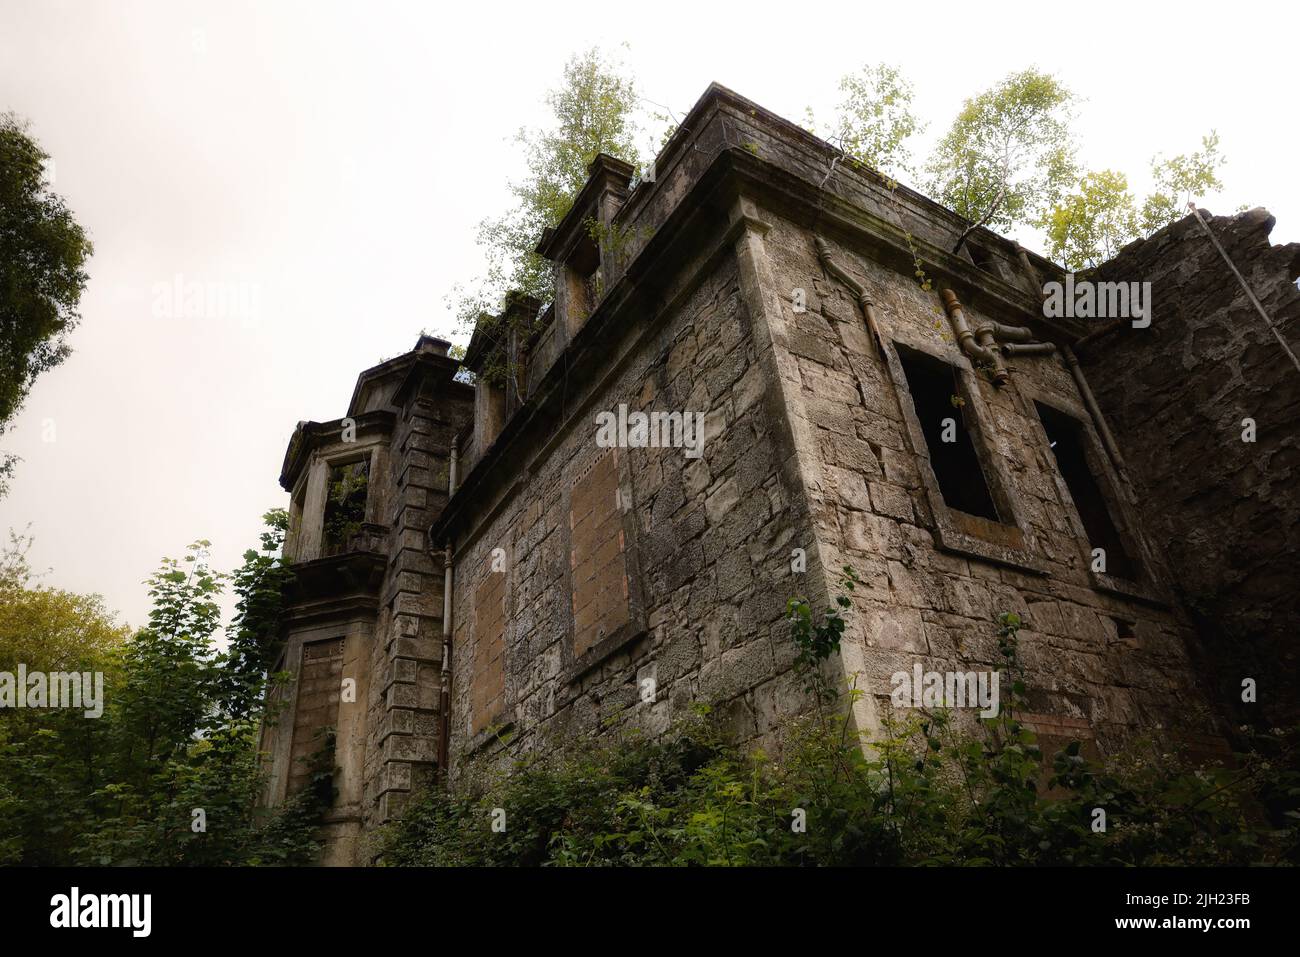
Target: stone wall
[1225,511]
[1111,654]
[376,598]
[406,657]
[706,543]
[812,444]
[599,589]
[814,454]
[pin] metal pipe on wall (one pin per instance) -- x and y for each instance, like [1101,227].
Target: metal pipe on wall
[444,691]
[1090,401]
[1028,349]
[1035,283]
[860,293]
[966,340]
[1005,333]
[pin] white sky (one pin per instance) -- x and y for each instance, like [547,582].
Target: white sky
[335,157]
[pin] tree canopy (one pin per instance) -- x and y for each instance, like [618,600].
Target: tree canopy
[43,252]
[1008,159]
[1009,154]
[594,110]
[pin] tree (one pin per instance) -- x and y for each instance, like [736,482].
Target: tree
[1092,223]
[42,257]
[595,111]
[1180,179]
[874,119]
[260,584]
[49,629]
[170,772]
[1008,155]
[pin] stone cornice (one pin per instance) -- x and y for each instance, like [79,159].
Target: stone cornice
[312,435]
[606,173]
[337,588]
[700,217]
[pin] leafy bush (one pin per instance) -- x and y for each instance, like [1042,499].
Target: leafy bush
[179,731]
[923,793]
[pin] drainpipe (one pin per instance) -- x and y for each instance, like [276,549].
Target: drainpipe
[1004,333]
[1028,349]
[1035,282]
[992,340]
[1089,400]
[977,345]
[444,692]
[860,293]
[1098,333]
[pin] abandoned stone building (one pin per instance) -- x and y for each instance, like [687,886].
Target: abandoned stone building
[479,576]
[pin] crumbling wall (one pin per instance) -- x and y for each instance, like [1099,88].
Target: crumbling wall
[1225,511]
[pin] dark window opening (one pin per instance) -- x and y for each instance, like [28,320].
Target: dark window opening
[1124,632]
[345,505]
[939,405]
[981,258]
[1066,438]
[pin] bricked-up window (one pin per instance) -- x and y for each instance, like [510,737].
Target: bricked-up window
[957,470]
[320,680]
[1065,435]
[488,676]
[582,273]
[345,504]
[597,556]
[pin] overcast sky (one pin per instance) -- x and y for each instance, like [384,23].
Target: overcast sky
[323,167]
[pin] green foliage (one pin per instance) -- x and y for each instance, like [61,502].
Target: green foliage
[179,732]
[1008,154]
[345,505]
[924,792]
[1178,181]
[595,111]
[49,629]
[874,120]
[1092,223]
[1100,216]
[259,582]
[42,258]
[818,639]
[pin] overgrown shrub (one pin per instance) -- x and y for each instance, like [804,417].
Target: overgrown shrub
[923,793]
[169,774]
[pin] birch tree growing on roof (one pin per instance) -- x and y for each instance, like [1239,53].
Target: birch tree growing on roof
[596,110]
[1008,155]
